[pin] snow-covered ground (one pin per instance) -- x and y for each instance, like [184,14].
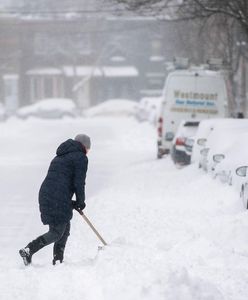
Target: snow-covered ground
[173,234]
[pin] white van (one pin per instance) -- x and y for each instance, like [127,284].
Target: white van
[193,94]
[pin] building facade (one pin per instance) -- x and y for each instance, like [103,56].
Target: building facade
[87,60]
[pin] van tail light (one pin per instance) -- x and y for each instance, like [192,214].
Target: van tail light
[180,141]
[160,126]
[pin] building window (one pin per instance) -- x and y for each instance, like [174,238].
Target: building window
[46,87]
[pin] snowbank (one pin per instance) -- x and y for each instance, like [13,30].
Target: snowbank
[113,107]
[172,234]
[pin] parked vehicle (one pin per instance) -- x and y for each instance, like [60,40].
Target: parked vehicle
[112,108]
[203,160]
[147,109]
[206,127]
[220,140]
[182,142]
[193,94]
[189,144]
[242,172]
[49,109]
[141,111]
[233,158]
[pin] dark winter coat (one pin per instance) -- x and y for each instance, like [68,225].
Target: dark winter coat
[66,176]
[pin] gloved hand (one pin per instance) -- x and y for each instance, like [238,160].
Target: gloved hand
[78,205]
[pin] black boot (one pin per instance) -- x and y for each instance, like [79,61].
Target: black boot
[27,252]
[58,253]
[26,256]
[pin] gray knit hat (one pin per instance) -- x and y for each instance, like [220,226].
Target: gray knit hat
[84,140]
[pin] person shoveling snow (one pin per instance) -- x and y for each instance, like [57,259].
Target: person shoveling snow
[66,176]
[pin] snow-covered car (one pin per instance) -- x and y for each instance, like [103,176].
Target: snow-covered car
[204,130]
[112,108]
[206,127]
[183,141]
[218,143]
[147,109]
[141,111]
[242,173]
[53,108]
[232,159]
[202,163]
[189,143]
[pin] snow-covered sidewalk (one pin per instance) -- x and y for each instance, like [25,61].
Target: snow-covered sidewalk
[173,234]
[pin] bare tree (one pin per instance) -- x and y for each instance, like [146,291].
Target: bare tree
[192,9]
[235,9]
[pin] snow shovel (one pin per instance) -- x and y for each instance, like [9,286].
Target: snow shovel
[93,228]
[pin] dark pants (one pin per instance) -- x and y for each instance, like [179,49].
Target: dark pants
[57,234]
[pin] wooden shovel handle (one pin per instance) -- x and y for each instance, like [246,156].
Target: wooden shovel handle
[92,227]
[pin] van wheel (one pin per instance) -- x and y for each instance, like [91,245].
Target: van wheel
[159,155]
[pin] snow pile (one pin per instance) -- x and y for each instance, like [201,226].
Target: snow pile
[190,288]
[113,107]
[172,234]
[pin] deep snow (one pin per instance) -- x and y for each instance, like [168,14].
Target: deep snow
[173,234]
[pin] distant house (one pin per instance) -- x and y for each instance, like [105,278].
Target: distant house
[86,84]
[107,82]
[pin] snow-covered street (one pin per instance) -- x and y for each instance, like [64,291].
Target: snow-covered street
[173,234]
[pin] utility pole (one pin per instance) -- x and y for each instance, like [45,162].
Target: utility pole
[243,84]
[242,91]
